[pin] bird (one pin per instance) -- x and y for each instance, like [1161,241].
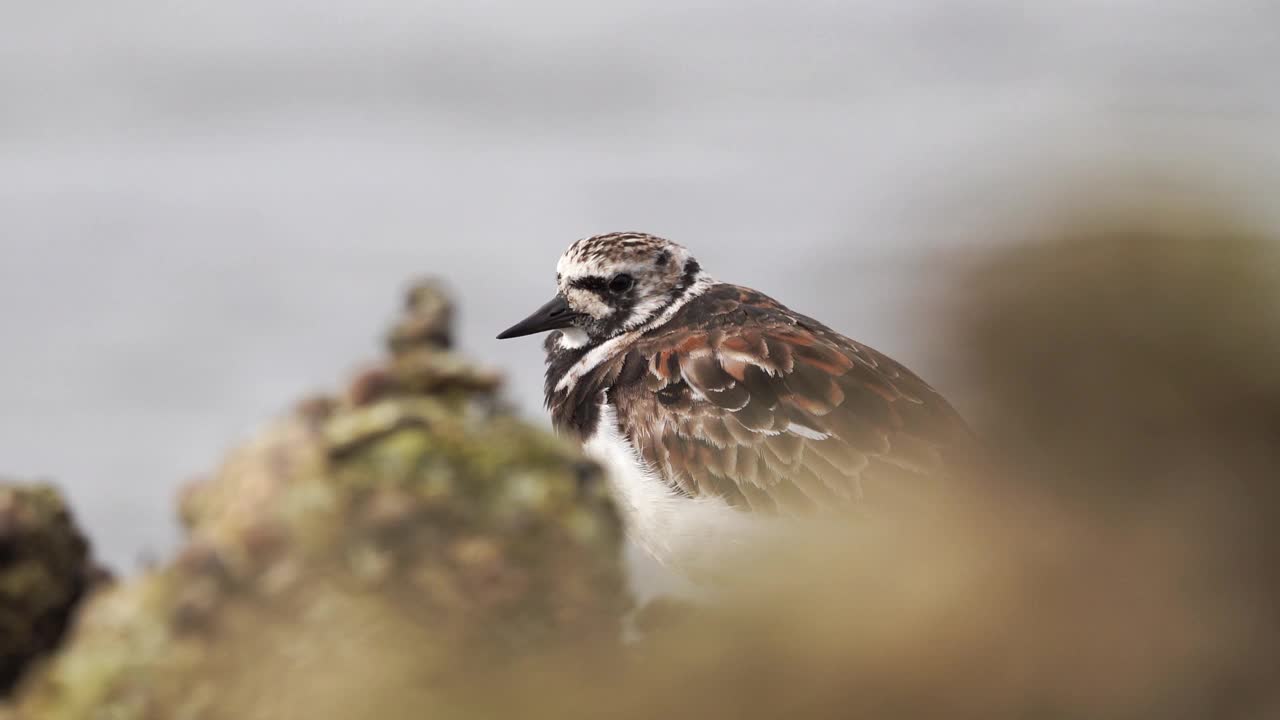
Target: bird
[716,410]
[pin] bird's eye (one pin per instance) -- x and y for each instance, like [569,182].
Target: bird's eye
[620,283]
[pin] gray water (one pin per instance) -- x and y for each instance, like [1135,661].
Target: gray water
[208,209]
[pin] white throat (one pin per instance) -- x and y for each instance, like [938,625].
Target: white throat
[573,338]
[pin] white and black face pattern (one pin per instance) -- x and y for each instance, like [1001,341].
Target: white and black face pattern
[620,281]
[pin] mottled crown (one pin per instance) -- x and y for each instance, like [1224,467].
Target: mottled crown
[618,249]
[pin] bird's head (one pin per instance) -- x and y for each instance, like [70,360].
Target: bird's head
[610,284]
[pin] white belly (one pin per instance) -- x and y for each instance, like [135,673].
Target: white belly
[692,536]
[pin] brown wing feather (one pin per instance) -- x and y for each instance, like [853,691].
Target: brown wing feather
[777,413]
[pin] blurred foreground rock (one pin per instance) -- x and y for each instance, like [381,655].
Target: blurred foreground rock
[358,558]
[1128,358]
[45,569]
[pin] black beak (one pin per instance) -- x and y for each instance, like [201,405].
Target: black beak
[552,316]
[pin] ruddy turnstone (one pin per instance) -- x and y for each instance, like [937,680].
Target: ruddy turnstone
[713,406]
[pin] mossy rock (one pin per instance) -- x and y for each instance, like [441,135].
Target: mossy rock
[360,557]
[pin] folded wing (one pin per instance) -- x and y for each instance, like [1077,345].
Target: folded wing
[774,412]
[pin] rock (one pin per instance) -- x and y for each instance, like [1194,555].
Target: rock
[375,549]
[45,569]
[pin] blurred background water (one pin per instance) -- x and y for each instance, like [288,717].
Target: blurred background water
[208,209]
